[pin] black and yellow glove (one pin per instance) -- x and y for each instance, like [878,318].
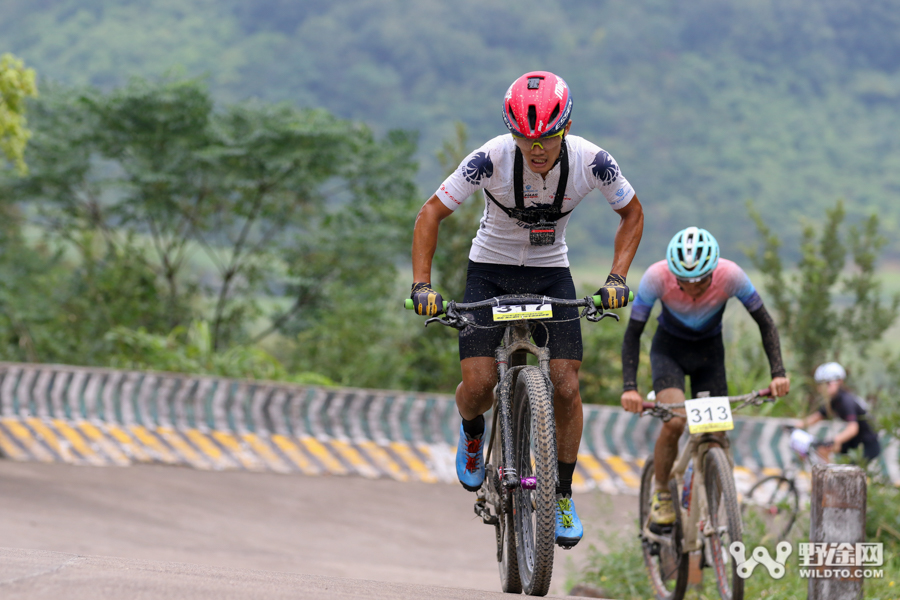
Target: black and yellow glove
[614,293]
[426,301]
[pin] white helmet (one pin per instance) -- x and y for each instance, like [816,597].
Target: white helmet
[830,371]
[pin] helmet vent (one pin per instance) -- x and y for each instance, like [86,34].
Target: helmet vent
[532,116]
[554,114]
[692,253]
[512,117]
[534,83]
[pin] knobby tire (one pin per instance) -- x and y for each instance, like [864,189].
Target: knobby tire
[535,510]
[669,575]
[507,559]
[725,518]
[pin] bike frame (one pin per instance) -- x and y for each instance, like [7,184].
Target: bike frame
[503,486]
[697,520]
[511,357]
[698,446]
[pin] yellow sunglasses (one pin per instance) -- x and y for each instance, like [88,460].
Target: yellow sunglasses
[537,142]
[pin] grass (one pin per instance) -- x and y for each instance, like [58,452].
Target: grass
[621,574]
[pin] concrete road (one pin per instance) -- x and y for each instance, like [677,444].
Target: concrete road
[41,575]
[200,530]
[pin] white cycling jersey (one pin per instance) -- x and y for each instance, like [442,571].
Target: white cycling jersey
[506,241]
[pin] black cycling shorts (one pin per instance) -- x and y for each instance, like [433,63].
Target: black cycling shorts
[871,445]
[485,281]
[671,358]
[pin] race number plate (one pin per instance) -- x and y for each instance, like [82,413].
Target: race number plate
[708,414]
[522,311]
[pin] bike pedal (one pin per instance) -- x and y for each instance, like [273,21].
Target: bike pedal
[660,529]
[484,512]
[566,544]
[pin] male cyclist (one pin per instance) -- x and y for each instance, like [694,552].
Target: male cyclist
[692,284]
[848,407]
[533,178]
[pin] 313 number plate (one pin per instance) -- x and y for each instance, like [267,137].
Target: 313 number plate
[516,312]
[709,414]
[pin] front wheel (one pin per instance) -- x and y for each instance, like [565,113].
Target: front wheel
[776,500]
[534,446]
[507,560]
[724,522]
[666,565]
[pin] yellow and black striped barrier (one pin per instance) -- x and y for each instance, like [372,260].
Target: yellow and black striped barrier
[88,416]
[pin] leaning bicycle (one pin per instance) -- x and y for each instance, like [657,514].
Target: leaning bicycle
[776,497]
[707,514]
[518,496]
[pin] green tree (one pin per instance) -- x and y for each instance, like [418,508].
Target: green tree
[216,205]
[457,231]
[16,85]
[818,318]
[433,357]
[778,101]
[190,350]
[159,209]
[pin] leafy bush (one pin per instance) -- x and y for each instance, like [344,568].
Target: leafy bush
[190,350]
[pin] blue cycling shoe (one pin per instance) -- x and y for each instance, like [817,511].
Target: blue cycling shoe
[470,460]
[568,526]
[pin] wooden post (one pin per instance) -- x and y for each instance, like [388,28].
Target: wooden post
[837,515]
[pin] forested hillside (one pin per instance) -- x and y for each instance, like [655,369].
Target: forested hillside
[705,104]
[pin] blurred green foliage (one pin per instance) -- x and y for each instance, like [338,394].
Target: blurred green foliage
[190,350]
[154,208]
[704,104]
[825,311]
[16,85]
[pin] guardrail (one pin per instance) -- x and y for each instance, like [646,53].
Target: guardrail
[98,416]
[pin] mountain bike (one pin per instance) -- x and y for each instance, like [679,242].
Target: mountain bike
[776,497]
[707,515]
[518,496]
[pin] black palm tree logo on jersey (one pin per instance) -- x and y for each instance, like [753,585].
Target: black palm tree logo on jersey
[604,168]
[478,168]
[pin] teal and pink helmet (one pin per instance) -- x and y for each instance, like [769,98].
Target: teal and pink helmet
[692,254]
[537,105]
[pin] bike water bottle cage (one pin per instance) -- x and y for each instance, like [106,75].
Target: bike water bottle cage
[542,220]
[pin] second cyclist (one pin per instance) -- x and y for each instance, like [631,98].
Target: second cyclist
[692,284]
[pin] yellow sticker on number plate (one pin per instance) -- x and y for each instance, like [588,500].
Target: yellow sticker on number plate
[709,414]
[514,312]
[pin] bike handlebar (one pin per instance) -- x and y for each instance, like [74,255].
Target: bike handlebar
[408,304]
[668,408]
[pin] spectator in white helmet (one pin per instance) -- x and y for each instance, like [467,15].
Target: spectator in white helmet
[848,407]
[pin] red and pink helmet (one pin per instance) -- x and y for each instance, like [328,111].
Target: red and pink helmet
[537,105]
